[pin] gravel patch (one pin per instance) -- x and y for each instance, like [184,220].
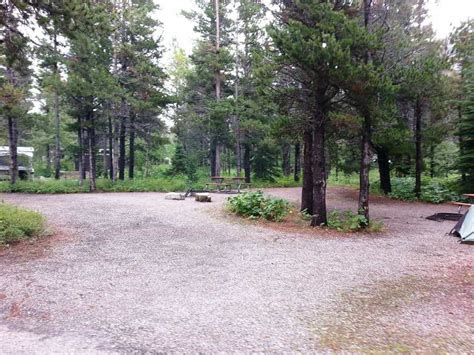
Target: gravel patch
[138,273]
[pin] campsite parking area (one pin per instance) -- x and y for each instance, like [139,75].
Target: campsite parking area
[134,272]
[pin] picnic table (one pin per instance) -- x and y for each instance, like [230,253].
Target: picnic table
[463,204]
[223,184]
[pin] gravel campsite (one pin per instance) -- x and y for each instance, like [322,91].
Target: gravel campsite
[153,275]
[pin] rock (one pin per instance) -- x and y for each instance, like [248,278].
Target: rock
[174,196]
[203,198]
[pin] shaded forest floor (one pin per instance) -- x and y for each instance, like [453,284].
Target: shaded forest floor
[134,272]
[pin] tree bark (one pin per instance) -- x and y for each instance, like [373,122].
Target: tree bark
[217,159]
[384,170]
[13,147]
[131,154]
[319,170]
[122,136]
[105,157]
[111,149]
[213,158]
[307,191]
[297,171]
[80,141]
[217,74]
[247,164]
[286,165]
[57,150]
[48,159]
[432,161]
[418,149]
[364,186]
[92,151]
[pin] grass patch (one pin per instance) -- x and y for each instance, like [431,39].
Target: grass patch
[17,224]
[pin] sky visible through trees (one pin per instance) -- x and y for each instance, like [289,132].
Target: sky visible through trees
[116,90]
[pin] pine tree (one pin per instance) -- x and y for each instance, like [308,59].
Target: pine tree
[90,83]
[463,40]
[317,40]
[14,79]
[212,60]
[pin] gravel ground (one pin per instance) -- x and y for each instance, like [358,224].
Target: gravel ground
[136,273]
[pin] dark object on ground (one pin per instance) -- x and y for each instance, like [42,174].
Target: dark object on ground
[439,217]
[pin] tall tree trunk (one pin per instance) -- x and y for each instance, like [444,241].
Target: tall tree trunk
[319,170]
[238,138]
[8,18]
[384,170]
[131,157]
[13,147]
[80,142]
[432,161]
[48,159]
[92,151]
[247,164]
[218,159]
[116,151]
[111,149]
[286,153]
[307,191]
[238,157]
[363,207]
[418,150]
[105,157]
[57,118]
[122,136]
[297,171]
[213,158]
[217,74]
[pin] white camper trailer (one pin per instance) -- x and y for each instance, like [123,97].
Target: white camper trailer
[25,163]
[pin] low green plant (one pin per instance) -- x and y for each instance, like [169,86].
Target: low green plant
[305,216]
[17,224]
[348,221]
[257,205]
[177,183]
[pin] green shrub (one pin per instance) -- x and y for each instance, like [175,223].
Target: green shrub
[346,221]
[177,183]
[256,205]
[432,190]
[402,188]
[17,224]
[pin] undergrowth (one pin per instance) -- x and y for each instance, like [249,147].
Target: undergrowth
[18,224]
[256,205]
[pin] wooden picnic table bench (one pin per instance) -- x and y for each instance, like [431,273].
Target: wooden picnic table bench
[223,184]
[461,204]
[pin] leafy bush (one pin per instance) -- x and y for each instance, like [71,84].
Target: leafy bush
[17,224]
[256,205]
[348,221]
[402,188]
[432,190]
